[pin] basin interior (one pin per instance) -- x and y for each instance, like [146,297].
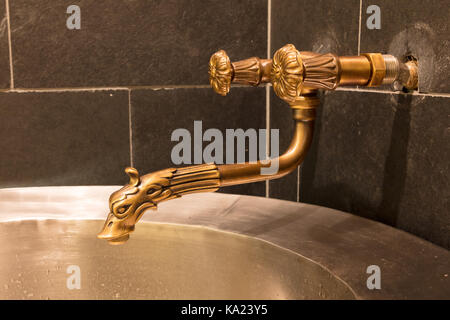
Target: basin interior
[160,261]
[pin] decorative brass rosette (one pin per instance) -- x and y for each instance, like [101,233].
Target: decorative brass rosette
[220,72]
[287,73]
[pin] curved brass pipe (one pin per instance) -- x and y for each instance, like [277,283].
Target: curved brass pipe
[239,173]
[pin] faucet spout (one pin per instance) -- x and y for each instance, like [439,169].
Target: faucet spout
[127,205]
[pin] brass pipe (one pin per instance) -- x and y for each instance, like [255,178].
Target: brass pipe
[354,70]
[240,173]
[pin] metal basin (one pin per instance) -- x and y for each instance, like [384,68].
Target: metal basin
[206,246]
[44,231]
[161,261]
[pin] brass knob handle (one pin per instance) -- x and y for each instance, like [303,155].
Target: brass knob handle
[287,72]
[222,72]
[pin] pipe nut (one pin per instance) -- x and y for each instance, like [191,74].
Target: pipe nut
[378,69]
[409,76]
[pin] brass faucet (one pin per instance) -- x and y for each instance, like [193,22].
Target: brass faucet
[295,76]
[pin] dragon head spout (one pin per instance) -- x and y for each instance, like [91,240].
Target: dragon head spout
[128,204]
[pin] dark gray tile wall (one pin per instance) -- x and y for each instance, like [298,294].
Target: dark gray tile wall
[131,43]
[130,47]
[4,48]
[156,114]
[320,25]
[63,138]
[418,28]
[383,156]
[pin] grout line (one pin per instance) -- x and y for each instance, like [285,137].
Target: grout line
[269,49]
[269,28]
[118,88]
[11,70]
[77,89]
[93,89]
[130,128]
[359,29]
[267,135]
[180,86]
[414,93]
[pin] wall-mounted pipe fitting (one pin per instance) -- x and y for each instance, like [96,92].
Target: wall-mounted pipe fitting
[291,70]
[408,76]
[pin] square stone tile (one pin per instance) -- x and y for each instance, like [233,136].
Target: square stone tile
[63,138]
[131,43]
[320,26]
